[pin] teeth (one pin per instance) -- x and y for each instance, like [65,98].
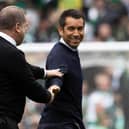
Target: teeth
[77,38]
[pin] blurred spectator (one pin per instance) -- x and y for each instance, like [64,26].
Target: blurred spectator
[100,104]
[96,11]
[46,32]
[33,20]
[121,32]
[84,101]
[120,119]
[124,91]
[103,32]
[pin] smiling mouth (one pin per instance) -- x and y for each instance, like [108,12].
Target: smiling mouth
[76,40]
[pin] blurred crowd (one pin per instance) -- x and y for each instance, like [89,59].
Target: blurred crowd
[103,99]
[106,20]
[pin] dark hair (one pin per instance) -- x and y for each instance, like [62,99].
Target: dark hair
[70,13]
[11,15]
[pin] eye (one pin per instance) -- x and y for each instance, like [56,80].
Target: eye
[71,28]
[80,28]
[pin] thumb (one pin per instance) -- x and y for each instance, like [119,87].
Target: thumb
[56,90]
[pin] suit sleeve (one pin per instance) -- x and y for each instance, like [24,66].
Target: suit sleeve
[37,71]
[21,74]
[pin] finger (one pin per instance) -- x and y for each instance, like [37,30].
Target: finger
[60,74]
[58,70]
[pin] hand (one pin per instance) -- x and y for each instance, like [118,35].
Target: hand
[54,72]
[54,90]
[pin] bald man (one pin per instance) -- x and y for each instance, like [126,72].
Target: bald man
[17,77]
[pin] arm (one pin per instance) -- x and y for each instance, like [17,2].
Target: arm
[40,73]
[21,74]
[55,60]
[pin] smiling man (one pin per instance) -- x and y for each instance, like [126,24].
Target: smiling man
[65,112]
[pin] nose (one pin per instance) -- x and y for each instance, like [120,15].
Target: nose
[76,32]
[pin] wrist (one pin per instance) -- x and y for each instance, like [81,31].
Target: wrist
[45,73]
[51,97]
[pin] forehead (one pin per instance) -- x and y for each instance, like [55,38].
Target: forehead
[70,21]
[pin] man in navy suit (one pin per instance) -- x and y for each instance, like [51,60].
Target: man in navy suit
[65,112]
[17,77]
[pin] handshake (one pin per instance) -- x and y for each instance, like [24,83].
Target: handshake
[54,90]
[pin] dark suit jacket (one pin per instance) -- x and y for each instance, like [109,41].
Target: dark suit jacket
[17,80]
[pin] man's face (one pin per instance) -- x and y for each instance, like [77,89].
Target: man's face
[73,31]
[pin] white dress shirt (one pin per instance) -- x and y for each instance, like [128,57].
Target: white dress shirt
[63,42]
[8,38]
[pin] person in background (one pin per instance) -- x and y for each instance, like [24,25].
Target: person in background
[100,104]
[103,32]
[17,77]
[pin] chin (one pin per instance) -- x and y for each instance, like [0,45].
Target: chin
[74,46]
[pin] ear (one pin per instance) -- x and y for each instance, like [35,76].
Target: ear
[18,27]
[60,31]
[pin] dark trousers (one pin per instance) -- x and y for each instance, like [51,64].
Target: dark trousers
[7,123]
[59,120]
[59,126]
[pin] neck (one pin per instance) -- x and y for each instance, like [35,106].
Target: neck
[10,33]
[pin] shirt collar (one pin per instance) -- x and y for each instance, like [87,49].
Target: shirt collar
[8,38]
[63,42]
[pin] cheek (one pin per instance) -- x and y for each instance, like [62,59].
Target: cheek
[67,35]
[82,35]
[21,36]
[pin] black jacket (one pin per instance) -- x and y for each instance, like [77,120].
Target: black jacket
[17,80]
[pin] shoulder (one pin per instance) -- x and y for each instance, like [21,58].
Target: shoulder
[57,50]
[57,54]
[14,54]
[58,46]
[7,49]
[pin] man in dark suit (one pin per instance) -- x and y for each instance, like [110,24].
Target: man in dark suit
[17,77]
[65,112]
